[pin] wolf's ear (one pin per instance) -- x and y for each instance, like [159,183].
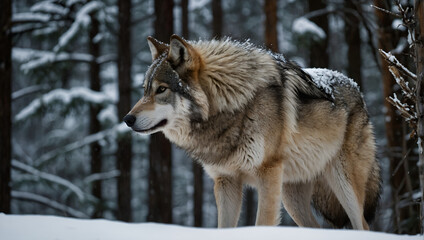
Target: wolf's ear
[156,47]
[179,50]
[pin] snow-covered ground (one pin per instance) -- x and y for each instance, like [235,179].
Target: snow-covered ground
[15,227]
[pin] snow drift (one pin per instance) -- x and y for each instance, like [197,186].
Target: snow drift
[18,227]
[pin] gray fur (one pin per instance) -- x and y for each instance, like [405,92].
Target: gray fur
[251,117]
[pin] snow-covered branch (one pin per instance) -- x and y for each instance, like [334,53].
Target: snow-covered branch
[405,109]
[24,28]
[392,60]
[302,26]
[41,12]
[404,85]
[32,59]
[101,176]
[36,58]
[49,177]
[82,20]
[60,57]
[106,58]
[50,8]
[65,97]
[27,90]
[19,18]
[117,129]
[48,203]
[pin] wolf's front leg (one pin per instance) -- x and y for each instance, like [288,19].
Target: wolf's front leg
[228,195]
[269,195]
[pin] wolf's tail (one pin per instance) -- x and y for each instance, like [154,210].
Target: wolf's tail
[326,203]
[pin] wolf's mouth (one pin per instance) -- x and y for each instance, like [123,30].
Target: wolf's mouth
[160,124]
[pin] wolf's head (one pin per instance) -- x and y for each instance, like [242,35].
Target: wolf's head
[172,92]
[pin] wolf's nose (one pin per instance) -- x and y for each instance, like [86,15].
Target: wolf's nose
[129,120]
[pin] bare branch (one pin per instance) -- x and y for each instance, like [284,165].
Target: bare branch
[387,11]
[27,91]
[80,143]
[368,27]
[401,162]
[26,196]
[49,177]
[403,108]
[391,59]
[407,91]
[101,176]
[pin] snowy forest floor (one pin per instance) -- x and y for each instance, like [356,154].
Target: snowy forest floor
[15,227]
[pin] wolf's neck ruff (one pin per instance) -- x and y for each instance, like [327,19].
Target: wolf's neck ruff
[226,76]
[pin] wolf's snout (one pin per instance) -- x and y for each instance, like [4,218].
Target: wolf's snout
[129,120]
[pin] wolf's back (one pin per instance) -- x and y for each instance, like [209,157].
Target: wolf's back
[342,89]
[346,95]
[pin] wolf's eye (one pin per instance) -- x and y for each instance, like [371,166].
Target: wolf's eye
[160,89]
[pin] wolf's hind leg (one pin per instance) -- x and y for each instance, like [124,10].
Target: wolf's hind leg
[269,195]
[228,196]
[342,188]
[297,202]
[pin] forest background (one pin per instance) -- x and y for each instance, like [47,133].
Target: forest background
[73,68]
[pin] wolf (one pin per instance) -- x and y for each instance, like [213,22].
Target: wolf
[301,137]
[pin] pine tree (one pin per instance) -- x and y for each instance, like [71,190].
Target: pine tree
[318,55]
[386,42]
[160,159]
[353,40]
[95,125]
[197,168]
[5,104]
[124,152]
[217,19]
[271,33]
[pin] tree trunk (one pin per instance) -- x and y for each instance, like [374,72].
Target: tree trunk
[160,180]
[164,22]
[95,148]
[353,40]
[198,194]
[160,159]
[318,50]
[393,123]
[419,53]
[217,19]
[124,153]
[271,33]
[5,103]
[184,19]
[197,168]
